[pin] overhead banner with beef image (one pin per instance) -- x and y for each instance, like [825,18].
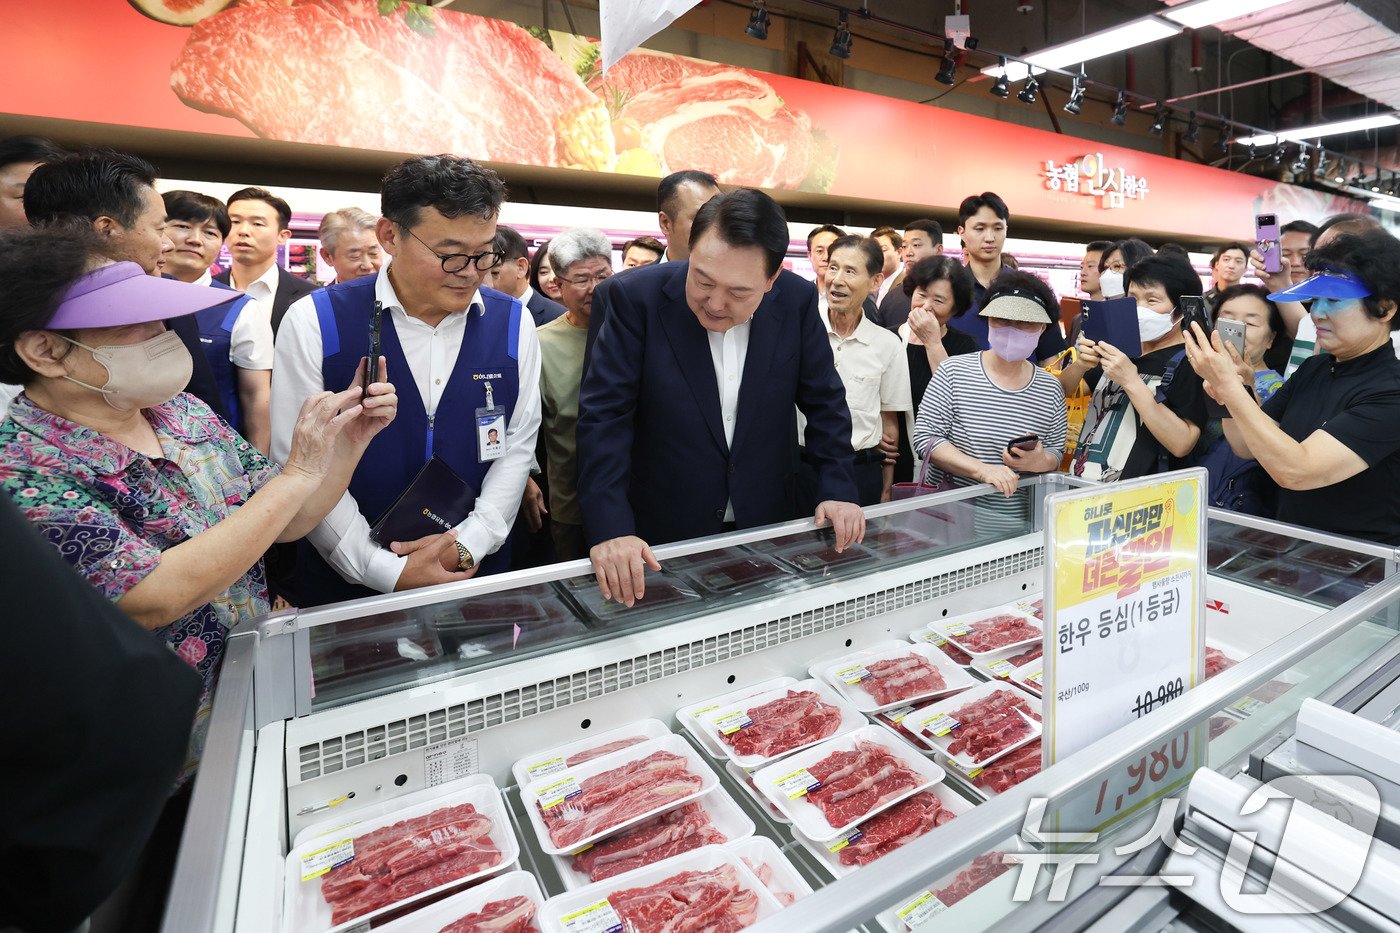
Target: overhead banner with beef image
[391,76]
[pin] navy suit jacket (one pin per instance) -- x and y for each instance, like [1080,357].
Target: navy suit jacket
[652,458]
[543,308]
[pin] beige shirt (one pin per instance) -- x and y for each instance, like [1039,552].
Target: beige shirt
[872,366]
[561,370]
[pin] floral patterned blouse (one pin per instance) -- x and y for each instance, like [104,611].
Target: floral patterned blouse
[110,511]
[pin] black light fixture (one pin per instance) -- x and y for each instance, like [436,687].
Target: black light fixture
[1027,94]
[1159,119]
[948,70]
[841,42]
[1356,177]
[758,21]
[1002,87]
[1076,94]
[1376,182]
[1193,129]
[1341,176]
[1120,109]
[1279,151]
[1253,152]
[1223,143]
[1300,162]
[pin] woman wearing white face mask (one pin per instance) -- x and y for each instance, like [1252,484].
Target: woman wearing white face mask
[141,488]
[977,404]
[1146,412]
[1115,263]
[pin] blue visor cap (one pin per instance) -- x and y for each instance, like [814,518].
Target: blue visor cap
[1334,284]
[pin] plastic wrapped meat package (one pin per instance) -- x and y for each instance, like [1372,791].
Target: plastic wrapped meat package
[1265,543]
[1361,568]
[355,647]
[950,650]
[496,623]
[886,540]
[883,833]
[815,552]
[1293,578]
[990,631]
[770,866]
[662,594]
[557,758]
[688,716]
[730,571]
[978,726]
[997,867]
[757,728]
[890,674]
[1000,775]
[509,903]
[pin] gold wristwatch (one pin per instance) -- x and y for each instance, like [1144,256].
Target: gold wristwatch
[464,557]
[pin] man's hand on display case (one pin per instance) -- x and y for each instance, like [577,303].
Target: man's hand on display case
[431,560]
[532,505]
[621,566]
[847,520]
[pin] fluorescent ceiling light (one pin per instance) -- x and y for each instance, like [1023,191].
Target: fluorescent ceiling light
[1118,39]
[1200,13]
[1325,129]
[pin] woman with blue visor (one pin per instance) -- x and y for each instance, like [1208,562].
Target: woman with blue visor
[1330,437]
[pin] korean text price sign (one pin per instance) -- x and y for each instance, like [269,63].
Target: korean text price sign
[1125,607]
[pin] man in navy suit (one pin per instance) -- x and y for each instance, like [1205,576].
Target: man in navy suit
[512,276]
[687,414]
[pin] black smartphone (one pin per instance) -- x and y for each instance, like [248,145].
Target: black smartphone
[1193,310]
[376,326]
[1024,442]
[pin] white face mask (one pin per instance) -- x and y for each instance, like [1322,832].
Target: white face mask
[1111,284]
[141,375]
[1151,325]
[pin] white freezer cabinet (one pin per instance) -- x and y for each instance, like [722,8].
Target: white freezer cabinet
[331,715]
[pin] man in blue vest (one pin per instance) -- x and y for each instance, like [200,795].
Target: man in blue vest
[468,360]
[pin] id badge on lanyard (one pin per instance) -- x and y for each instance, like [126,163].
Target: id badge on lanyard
[490,429]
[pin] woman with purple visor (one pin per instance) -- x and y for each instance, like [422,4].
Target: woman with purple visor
[140,487]
[1330,437]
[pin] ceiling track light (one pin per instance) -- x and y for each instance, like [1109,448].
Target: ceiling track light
[1159,119]
[1076,95]
[948,69]
[1253,152]
[1001,87]
[1277,157]
[1120,110]
[1193,129]
[1027,94]
[759,21]
[1223,143]
[841,42]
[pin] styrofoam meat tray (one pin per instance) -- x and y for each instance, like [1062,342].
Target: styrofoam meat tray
[829,852]
[785,884]
[306,911]
[846,673]
[745,780]
[356,810]
[730,571]
[585,909]
[713,717]
[1030,676]
[920,911]
[660,591]
[445,912]
[929,716]
[553,760]
[707,738]
[530,793]
[926,636]
[956,628]
[815,552]
[725,816]
[807,818]
[997,665]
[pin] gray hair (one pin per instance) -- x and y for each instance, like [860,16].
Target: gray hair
[337,222]
[576,244]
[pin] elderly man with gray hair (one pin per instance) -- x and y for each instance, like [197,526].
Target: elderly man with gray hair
[348,243]
[581,257]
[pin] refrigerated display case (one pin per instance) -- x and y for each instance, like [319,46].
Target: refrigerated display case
[333,715]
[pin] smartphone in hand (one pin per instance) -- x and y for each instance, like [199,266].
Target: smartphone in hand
[1193,311]
[1231,332]
[1024,442]
[1266,241]
[376,327]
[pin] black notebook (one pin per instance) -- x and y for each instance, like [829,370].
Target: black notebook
[437,500]
[1114,322]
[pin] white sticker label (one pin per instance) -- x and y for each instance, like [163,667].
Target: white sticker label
[546,768]
[595,918]
[554,794]
[1249,706]
[450,760]
[854,835]
[1000,669]
[853,674]
[315,864]
[920,910]
[729,721]
[939,724]
[1036,677]
[958,629]
[896,716]
[797,784]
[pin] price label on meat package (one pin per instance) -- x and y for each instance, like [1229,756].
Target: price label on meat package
[1124,611]
[729,721]
[595,918]
[920,910]
[896,716]
[939,724]
[545,768]
[797,784]
[957,629]
[1001,669]
[853,674]
[854,835]
[552,795]
[315,864]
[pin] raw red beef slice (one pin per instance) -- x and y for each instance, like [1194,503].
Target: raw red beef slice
[611,798]
[660,837]
[990,724]
[512,915]
[901,823]
[856,782]
[791,721]
[983,869]
[1010,770]
[894,679]
[764,872]
[578,758]
[690,902]
[1217,661]
[998,632]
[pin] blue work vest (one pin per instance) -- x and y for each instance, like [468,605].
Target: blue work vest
[216,339]
[490,347]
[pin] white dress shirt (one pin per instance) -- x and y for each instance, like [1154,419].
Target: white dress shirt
[206,279]
[890,282]
[250,343]
[729,350]
[343,537]
[7,395]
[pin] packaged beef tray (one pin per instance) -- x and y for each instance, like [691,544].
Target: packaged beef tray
[702,732]
[365,869]
[888,830]
[979,725]
[580,805]
[982,633]
[552,760]
[509,903]
[889,674]
[762,727]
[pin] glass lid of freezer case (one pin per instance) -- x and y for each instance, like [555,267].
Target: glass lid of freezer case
[385,643]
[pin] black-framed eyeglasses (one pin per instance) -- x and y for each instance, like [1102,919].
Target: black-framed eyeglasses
[453,263]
